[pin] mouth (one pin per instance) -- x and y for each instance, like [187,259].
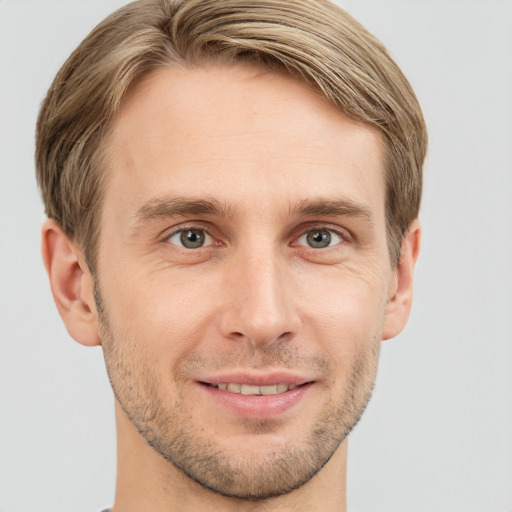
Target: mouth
[249,389]
[257,395]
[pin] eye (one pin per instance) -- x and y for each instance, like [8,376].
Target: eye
[320,238]
[191,238]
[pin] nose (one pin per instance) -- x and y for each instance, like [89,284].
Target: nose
[260,306]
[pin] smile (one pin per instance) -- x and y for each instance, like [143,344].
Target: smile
[257,397]
[247,389]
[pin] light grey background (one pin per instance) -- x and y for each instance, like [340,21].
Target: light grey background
[437,436]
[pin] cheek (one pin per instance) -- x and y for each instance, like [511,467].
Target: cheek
[346,317]
[152,330]
[165,316]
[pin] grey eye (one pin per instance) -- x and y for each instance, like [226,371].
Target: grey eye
[190,238]
[320,238]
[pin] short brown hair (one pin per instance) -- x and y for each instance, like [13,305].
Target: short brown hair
[312,40]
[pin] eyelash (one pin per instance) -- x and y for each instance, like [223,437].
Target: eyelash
[325,231]
[342,234]
[183,230]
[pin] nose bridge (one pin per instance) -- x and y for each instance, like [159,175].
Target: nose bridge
[261,305]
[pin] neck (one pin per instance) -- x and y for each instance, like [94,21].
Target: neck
[146,482]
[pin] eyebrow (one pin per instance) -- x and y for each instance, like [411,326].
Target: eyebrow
[172,206]
[332,207]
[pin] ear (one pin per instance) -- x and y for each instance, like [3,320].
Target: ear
[399,303]
[71,282]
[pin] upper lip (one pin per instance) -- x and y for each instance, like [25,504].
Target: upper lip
[257,379]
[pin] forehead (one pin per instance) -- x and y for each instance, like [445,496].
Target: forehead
[241,135]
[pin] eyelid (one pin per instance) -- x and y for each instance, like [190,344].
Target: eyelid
[341,239]
[170,232]
[208,239]
[342,232]
[345,234]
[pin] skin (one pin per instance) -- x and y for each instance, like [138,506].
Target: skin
[278,166]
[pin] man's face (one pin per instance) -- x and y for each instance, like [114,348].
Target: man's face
[243,274]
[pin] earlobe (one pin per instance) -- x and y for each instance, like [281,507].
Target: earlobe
[71,283]
[399,304]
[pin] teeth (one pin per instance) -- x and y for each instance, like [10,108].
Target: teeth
[234,388]
[270,390]
[247,389]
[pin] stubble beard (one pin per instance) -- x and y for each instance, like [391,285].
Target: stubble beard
[247,476]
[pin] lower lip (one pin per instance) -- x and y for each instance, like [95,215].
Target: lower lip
[258,406]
